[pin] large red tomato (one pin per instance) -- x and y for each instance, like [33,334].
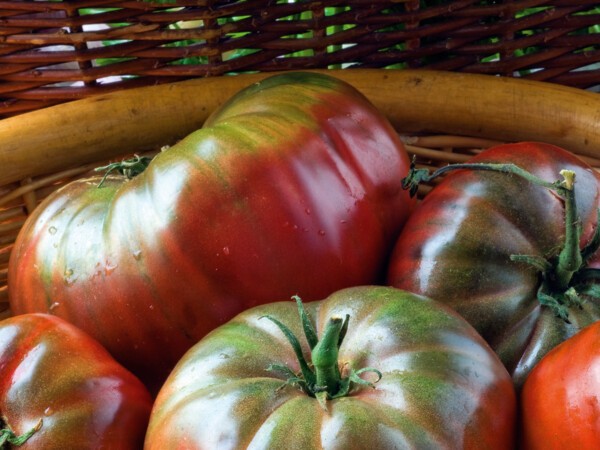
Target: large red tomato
[560,401]
[243,385]
[518,260]
[293,187]
[60,389]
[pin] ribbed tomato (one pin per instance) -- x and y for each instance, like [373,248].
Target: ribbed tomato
[60,389]
[560,401]
[380,369]
[516,257]
[292,187]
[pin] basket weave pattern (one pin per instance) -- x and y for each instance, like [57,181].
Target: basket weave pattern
[52,52]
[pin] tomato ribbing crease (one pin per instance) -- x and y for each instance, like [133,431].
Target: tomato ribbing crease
[510,241]
[291,187]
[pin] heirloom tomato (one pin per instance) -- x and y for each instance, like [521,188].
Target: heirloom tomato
[560,400]
[292,187]
[60,389]
[513,253]
[380,368]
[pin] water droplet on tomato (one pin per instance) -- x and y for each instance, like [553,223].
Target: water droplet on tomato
[70,276]
[321,232]
[109,268]
[308,211]
[48,411]
[53,306]
[52,230]
[137,255]
[226,251]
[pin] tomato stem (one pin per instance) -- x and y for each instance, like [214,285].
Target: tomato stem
[325,358]
[129,168]
[569,258]
[8,438]
[564,277]
[326,381]
[417,176]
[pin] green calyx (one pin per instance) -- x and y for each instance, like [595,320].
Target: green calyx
[8,438]
[321,377]
[129,168]
[565,278]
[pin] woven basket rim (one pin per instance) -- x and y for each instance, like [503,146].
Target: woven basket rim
[573,103]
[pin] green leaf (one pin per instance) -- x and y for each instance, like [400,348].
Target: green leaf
[292,379]
[308,374]
[309,329]
[538,262]
[343,331]
[557,307]
[322,397]
[593,290]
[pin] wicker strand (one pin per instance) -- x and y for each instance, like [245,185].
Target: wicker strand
[53,52]
[29,187]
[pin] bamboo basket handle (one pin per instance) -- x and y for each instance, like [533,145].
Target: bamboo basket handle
[135,120]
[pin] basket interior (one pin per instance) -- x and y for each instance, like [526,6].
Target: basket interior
[56,51]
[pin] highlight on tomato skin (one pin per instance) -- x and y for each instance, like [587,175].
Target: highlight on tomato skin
[292,187]
[60,389]
[560,401]
[367,367]
[517,258]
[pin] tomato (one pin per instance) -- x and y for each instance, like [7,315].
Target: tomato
[390,370]
[293,187]
[63,388]
[489,245]
[560,401]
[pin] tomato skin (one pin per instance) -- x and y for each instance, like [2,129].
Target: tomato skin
[457,248]
[54,372]
[560,401]
[441,387]
[293,187]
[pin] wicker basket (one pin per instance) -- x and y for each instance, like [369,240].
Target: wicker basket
[56,52]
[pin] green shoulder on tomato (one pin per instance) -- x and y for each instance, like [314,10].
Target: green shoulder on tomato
[293,186]
[379,368]
[517,258]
